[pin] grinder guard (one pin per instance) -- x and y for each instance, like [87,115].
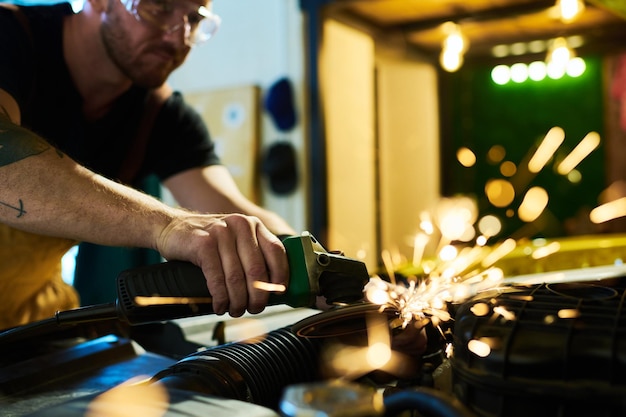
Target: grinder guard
[315,271]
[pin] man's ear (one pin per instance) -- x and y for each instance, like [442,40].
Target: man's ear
[9,108]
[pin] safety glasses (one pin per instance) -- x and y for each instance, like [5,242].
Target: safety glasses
[198,22]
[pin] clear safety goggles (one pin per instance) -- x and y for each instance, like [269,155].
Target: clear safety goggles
[198,22]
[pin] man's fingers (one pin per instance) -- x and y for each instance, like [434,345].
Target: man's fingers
[275,276]
[238,256]
[275,256]
[215,276]
[243,264]
[250,243]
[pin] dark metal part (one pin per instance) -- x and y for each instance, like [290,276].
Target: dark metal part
[350,319]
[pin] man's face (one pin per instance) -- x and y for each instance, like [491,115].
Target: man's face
[144,51]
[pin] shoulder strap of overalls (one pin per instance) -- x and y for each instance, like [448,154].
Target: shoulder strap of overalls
[136,153]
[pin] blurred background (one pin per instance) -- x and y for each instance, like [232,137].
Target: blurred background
[398,104]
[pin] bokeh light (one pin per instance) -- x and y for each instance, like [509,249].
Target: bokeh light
[466,157]
[537,70]
[499,192]
[519,72]
[501,74]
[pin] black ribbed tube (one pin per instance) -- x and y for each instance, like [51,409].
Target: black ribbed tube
[255,370]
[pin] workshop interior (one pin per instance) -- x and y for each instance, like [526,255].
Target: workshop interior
[458,170]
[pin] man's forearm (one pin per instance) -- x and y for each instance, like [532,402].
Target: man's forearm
[44,191]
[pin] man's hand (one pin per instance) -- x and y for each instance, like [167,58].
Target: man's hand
[234,251]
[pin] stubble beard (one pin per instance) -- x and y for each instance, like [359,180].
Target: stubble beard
[138,67]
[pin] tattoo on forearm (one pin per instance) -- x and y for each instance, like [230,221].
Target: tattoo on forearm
[20,209]
[17,143]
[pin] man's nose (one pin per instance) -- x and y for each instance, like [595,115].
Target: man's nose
[180,34]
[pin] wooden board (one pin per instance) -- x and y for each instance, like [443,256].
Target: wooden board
[232,116]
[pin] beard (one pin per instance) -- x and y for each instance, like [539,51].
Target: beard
[147,65]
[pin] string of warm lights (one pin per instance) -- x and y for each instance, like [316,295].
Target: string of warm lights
[453,48]
[537,71]
[560,59]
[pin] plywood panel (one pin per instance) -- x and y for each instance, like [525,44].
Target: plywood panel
[347,62]
[408,125]
[232,115]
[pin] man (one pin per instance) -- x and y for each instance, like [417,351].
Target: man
[84,105]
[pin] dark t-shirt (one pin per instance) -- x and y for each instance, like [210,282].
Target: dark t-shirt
[33,71]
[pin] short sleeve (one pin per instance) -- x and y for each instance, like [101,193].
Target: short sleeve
[180,140]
